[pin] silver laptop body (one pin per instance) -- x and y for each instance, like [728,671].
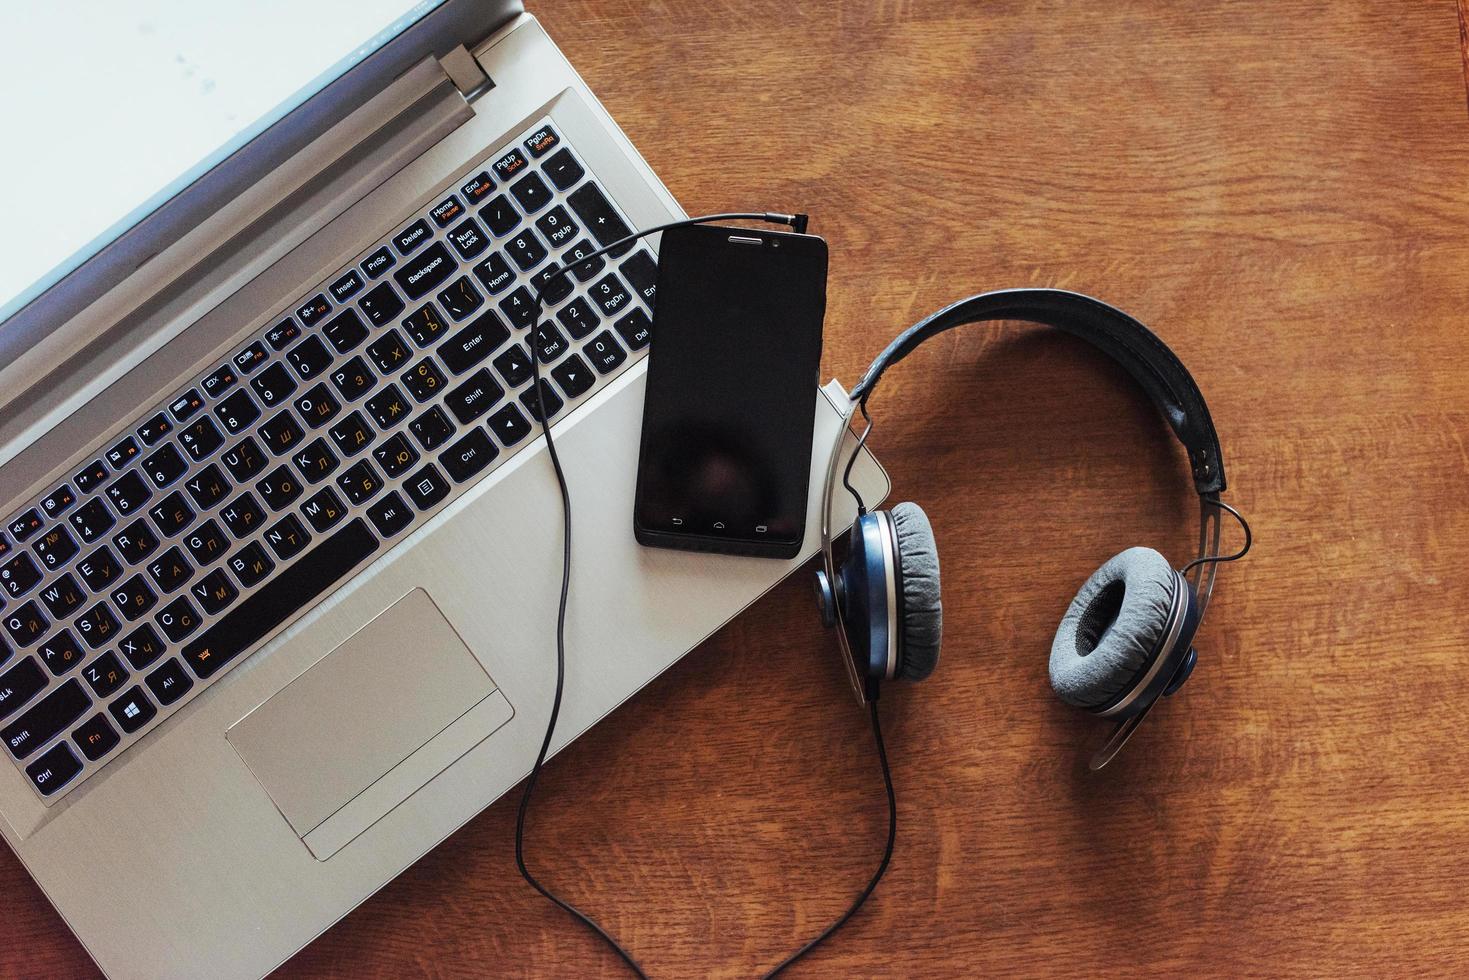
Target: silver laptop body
[261,798]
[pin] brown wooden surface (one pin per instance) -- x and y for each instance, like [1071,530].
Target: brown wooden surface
[1281,189]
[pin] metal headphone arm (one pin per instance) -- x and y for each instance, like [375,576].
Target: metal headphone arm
[828,558]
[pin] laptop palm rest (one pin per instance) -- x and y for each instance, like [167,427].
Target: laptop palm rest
[368,724]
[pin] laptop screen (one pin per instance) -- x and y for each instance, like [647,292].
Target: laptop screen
[112,108]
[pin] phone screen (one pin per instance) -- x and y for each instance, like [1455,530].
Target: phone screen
[731,395]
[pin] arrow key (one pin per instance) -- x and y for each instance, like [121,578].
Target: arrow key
[574,377]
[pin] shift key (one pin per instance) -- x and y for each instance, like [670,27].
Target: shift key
[46,719]
[426,271]
[313,574]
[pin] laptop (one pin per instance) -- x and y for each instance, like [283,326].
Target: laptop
[279,544]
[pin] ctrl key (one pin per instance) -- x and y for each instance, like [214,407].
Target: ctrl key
[55,769]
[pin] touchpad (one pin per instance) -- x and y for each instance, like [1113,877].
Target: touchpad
[336,731]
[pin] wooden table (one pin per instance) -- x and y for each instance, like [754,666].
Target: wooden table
[1281,190]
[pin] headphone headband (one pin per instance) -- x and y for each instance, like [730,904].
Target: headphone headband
[1155,367]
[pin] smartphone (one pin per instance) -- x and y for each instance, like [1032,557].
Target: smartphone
[725,460]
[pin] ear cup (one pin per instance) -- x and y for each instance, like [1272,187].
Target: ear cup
[1114,624]
[921,611]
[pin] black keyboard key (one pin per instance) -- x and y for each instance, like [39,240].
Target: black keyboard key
[514,366]
[288,537]
[500,216]
[425,325]
[201,437]
[526,249]
[62,597]
[243,516]
[313,310]
[396,455]
[133,710]
[583,270]
[178,619]
[58,501]
[494,273]
[390,514]
[165,466]
[469,239]
[172,514]
[4,546]
[510,164]
[424,380]
[379,262]
[19,684]
[237,411]
[519,308]
[596,213]
[60,653]
[460,298]
[388,406]
[208,487]
[5,651]
[553,284]
[549,342]
[354,379]
[474,343]
[27,524]
[283,334]
[610,295]
[96,737]
[310,358]
[90,478]
[432,429]
[55,547]
[410,239]
[390,351]
[19,575]
[380,304]
[324,510]
[426,487]
[347,286]
[187,405]
[128,493]
[55,769]
[533,404]
[296,587]
[474,397]
[636,329]
[352,434]
[122,454]
[574,377]
[563,169]
[510,425]
[282,433]
[134,598]
[316,462]
[251,564]
[207,543]
[170,570]
[318,406]
[245,459]
[532,193]
[446,211]
[222,380]
[97,625]
[479,187]
[557,227]
[169,682]
[642,273]
[249,359]
[26,624]
[214,592]
[101,568]
[46,719]
[345,331]
[104,675]
[426,271]
[279,489]
[92,520]
[360,483]
[605,352]
[142,646]
[468,456]
[155,429]
[542,141]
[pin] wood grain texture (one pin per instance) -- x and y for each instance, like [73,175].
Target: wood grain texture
[1281,190]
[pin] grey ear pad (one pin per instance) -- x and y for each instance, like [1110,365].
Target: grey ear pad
[922,607]
[1113,625]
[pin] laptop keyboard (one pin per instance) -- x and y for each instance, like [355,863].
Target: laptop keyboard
[241,499]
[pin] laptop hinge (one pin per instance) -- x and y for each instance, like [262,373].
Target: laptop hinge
[465,72]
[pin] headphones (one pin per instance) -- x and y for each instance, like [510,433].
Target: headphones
[1126,640]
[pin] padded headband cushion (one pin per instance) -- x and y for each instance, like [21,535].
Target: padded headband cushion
[923,612]
[1113,625]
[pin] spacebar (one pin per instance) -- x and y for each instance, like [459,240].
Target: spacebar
[280,599]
